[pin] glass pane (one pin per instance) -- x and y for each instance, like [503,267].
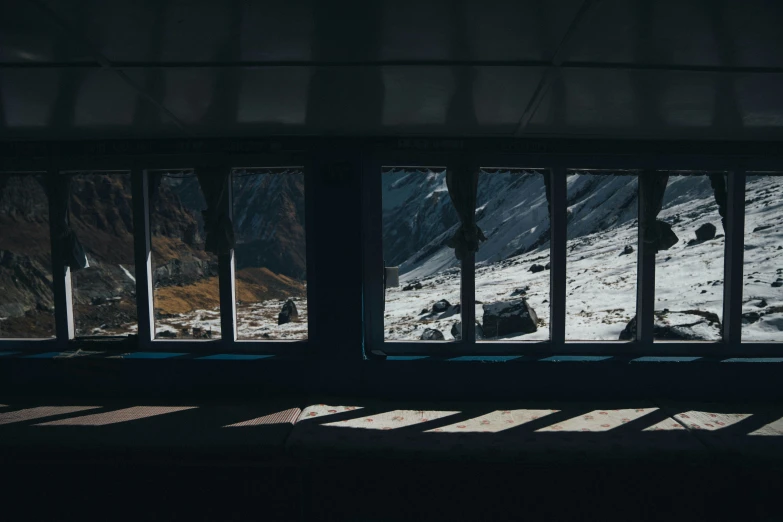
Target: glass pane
[104,293]
[270,254]
[601,254]
[512,265]
[26,300]
[689,275]
[418,220]
[185,277]
[762,303]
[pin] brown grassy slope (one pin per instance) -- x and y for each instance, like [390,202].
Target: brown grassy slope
[252,285]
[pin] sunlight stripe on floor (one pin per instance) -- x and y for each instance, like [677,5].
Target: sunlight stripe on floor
[117,416]
[40,412]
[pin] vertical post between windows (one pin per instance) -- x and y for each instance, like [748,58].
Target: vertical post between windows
[61,273]
[559,233]
[645,271]
[226,280]
[142,253]
[372,205]
[734,259]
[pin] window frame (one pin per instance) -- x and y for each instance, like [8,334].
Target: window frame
[559,166]
[139,166]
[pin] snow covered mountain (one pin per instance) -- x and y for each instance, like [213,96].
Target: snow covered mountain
[601,285]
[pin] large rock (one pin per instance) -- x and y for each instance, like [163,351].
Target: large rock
[509,318]
[288,313]
[535,268]
[705,232]
[430,334]
[456,331]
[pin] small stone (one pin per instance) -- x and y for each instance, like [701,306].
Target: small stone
[627,250]
[430,334]
[750,317]
[537,268]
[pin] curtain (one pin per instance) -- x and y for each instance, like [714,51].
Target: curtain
[657,234]
[463,190]
[718,182]
[59,193]
[548,187]
[153,184]
[217,221]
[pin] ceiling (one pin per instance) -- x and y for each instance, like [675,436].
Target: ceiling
[78,69]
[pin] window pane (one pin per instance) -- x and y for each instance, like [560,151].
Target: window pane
[270,254]
[26,300]
[185,277]
[601,254]
[512,265]
[689,275]
[104,293]
[418,220]
[762,303]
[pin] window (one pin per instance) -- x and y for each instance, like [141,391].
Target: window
[512,265]
[270,254]
[184,276]
[104,291]
[26,300]
[602,253]
[762,303]
[689,275]
[418,221]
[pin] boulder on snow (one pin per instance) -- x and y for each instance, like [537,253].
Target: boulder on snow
[508,318]
[288,313]
[548,265]
[412,286]
[440,306]
[777,284]
[537,268]
[627,250]
[456,331]
[430,334]
[519,291]
[705,232]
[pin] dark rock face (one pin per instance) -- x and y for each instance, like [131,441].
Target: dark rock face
[627,250]
[288,313]
[548,266]
[508,318]
[430,334]
[705,232]
[537,268]
[440,306]
[456,331]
